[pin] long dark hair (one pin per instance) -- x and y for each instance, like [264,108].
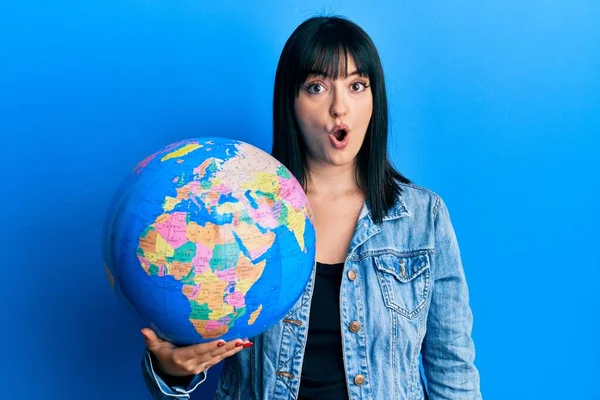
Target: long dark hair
[316,46]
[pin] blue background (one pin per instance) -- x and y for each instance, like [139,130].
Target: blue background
[494,105]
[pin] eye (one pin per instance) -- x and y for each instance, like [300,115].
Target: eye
[358,86]
[315,88]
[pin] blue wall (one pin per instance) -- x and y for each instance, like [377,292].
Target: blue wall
[494,105]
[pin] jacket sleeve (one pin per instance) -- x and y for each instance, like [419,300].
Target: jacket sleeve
[158,387]
[448,350]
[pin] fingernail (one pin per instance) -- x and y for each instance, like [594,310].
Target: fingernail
[239,344]
[249,344]
[220,344]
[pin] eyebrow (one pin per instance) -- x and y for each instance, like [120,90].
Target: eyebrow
[326,75]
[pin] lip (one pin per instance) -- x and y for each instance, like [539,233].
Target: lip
[340,127]
[336,143]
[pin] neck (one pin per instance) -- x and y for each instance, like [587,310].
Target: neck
[326,179]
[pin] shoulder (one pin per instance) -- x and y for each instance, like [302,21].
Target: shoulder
[419,200]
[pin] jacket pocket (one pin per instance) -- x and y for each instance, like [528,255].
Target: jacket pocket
[404,282]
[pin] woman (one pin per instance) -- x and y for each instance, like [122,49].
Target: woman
[388,285]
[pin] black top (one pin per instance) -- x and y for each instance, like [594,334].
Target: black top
[323,376]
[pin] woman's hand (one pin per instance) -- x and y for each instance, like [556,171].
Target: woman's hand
[190,360]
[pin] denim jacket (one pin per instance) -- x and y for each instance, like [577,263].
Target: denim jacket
[403,294]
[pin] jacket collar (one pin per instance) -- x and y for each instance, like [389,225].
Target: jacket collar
[398,210]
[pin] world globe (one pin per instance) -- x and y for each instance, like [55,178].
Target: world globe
[209,238]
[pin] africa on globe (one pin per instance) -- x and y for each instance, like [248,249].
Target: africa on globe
[209,238]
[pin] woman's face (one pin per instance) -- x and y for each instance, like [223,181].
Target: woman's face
[333,115]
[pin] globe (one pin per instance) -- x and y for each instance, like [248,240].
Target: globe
[209,238]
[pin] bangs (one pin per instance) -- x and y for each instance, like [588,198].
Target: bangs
[326,52]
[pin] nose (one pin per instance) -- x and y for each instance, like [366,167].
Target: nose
[339,105]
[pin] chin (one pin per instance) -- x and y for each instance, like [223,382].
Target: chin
[345,159]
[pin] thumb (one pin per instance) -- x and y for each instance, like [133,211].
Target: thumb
[152,341]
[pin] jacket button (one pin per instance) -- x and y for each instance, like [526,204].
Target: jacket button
[352,275]
[359,379]
[354,326]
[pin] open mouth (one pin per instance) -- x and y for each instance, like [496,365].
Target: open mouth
[339,138]
[340,134]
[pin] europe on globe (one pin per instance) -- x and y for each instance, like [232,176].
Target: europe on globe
[209,238]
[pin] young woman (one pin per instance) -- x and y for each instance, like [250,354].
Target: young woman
[388,285]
